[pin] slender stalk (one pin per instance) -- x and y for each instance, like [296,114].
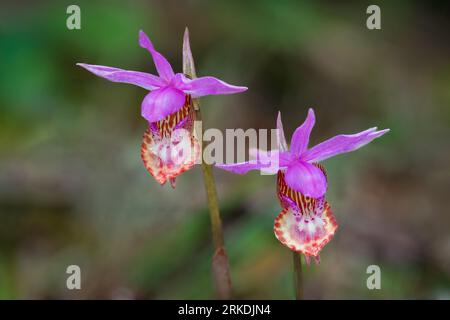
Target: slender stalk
[220,266]
[298,278]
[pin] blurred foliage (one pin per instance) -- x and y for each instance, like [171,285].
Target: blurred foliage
[73,189]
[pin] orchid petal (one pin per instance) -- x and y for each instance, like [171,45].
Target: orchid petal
[287,202]
[271,161]
[307,179]
[188,60]
[163,66]
[204,86]
[180,81]
[140,79]
[300,138]
[282,157]
[341,144]
[240,168]
[281,140]
[160,103]
[166,159]
[291,231]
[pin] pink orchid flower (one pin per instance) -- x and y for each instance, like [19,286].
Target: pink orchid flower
[306,223]
[168,90]
[298,163]
[167,107]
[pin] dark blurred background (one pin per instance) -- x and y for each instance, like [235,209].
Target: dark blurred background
[73,189]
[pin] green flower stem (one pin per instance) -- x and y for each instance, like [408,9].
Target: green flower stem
[298,278]
[220,266]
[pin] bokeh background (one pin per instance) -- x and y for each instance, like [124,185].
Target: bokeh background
[73,189]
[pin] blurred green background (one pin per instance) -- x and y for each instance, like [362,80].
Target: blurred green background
[73,189]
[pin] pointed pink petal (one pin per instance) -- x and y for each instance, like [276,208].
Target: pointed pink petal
[140,79]
[307,179]
[281,140]
[162,65]
[158,104]
[204,86]
[341,144]
[300,138]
